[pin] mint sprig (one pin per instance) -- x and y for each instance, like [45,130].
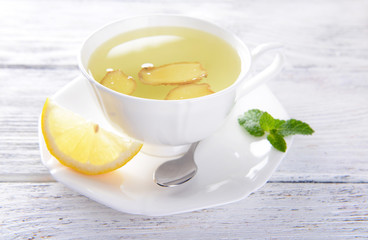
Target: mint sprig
[258,123]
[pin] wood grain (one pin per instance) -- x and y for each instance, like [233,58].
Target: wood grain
[285,211]
[318,192]
[315,158]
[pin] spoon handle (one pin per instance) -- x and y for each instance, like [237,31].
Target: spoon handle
[192,148]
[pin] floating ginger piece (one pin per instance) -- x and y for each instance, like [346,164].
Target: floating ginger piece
[186,91]
[118,81]
[174,73]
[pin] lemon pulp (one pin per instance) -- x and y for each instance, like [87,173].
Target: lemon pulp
[83,145]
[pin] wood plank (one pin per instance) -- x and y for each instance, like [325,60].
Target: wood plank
[277,211]
[23,94]
[328,34]
[318,192]
[39,58]
[336,152]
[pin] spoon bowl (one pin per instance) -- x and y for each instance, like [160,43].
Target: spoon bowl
[177,171]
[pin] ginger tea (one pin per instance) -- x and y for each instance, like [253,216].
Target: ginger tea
[170,47]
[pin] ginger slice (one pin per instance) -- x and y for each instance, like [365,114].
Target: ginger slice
[186,91]
[118,81]
[174,73]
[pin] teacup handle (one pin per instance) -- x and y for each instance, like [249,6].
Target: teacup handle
[266,74]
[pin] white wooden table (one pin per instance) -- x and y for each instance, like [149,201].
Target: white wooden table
[320,190]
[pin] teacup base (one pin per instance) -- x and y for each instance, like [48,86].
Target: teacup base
[164,150]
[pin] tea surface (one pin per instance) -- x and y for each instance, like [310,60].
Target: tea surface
[164,45]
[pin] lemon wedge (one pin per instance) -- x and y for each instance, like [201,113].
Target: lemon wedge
[83,145]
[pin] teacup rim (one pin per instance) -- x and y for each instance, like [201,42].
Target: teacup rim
[242,75]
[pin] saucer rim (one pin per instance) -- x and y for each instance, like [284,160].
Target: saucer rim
[144,211]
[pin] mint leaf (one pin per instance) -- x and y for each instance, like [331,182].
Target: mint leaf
[257,122]
[250,121]
[268,123]
[293,126]
[277,141]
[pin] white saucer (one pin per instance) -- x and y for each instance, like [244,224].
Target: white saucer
[232,164]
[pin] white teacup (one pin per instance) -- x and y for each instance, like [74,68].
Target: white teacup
[168,127]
